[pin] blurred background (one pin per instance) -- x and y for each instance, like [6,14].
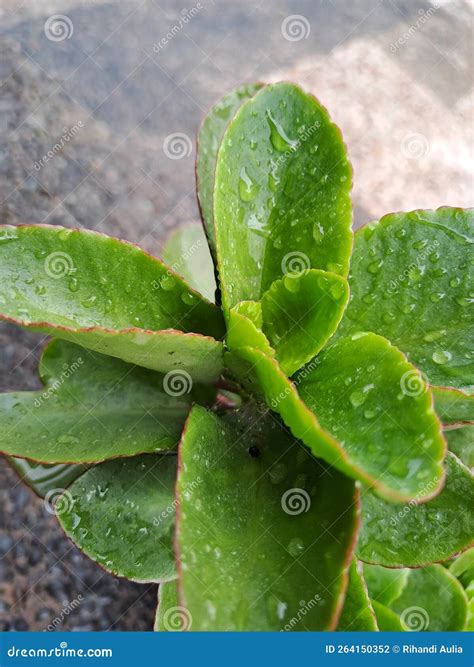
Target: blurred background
[110,82]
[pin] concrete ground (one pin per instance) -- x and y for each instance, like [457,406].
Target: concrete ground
[396,75]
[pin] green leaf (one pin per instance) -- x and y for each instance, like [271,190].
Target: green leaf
[432,601]
[281,198]
[171,616]
[300,313]
[357,614]
[253,538]
[121,514]
[351,410]
[387,620]
[420,263]
[413,535]
[46,478]
[245,328]
[92,408]
[463,567]
[186,252]
[461,443]
[385,585]
[109,296]
[453,406]
[209,139]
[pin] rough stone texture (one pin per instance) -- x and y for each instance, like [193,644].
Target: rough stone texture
[404,108]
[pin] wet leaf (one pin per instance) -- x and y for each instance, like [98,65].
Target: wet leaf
[43,478]
[300,313]
[357,613]
[109,296]
[432,601]
[461,443]
[453,405]
[349,407]
[253,538]
[92,407]
[121,514]
[209,139]
[413,535]
[281,198]
[420,263]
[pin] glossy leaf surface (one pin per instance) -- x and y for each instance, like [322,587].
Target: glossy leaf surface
[281,199]
[170,615]
[357,613]
[93,407]
[300,313]
[432,601]
[260,558]
[461,443]
[414,535]
[453,406]
[44,478]
[387,619]
[354,388]
[209,139]
[121,514]
[109,296]
[420,263]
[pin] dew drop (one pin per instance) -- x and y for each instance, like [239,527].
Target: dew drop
[441,357]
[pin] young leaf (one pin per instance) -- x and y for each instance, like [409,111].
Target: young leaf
[432,601]
[121,514]
[453,406]
[245,328]
[351,410]
[171,616]
[92,408]
[209,139]
[281,197]
[300,313]
[107,295]
[357,614]
[273,551]
[413,535]
[186,252]
[387,620]
[463,567]
[42,478]
[461,443]
[420,263]
[385,585]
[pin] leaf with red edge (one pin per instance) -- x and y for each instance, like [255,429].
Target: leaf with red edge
[109,296]
[357,613]
[264,532]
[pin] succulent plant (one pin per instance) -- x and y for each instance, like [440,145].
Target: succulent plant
[293,456]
